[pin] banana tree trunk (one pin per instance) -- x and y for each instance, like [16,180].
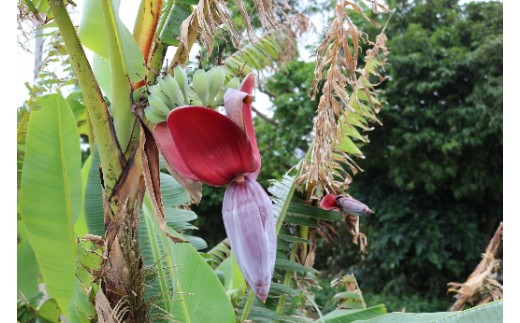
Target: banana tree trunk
[122,275]
[121,297]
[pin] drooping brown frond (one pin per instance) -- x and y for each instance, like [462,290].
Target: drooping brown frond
[250,32]
[209,16]
[348,104]
[265,13]
[481,286]
[348,101]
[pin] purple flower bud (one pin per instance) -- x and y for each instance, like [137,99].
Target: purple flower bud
[345,204]
[352,206]
[250,227]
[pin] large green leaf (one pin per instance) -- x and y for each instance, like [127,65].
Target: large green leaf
[234,281]
[488,313]
[81,227]
[347,316]
[182,284]
[175,12]
[94,214]
[50,194]
[173,193]
[155,250]
[93,34]
[101,69]
[200,295]
[27,266]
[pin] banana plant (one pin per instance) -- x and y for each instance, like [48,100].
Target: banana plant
[109,238]
[68,210]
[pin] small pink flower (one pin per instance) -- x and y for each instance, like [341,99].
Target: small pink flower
[345,204]
[204,145]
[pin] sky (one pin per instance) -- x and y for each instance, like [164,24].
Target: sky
[127,12]
[17,65]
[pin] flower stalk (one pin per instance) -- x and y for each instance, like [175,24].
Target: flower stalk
[109,150]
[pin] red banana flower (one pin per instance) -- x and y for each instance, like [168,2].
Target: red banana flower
[217,149]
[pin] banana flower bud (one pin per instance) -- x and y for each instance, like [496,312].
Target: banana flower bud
[250,226]
[204,145]
[345,204]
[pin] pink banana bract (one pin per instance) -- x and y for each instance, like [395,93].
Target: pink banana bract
[204,145]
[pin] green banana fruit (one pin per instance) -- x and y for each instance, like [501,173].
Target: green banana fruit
[153,116]
[200,85]
[158,105]
[156,91]
[231,84]
[182,80]
[216,78]
[196,102]
[171,88]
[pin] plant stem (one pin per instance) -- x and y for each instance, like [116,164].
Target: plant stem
[294,249]
[285,207]
[146,24]
[125,123]
[109,150]
[247,308]
[286,281]
[155,61]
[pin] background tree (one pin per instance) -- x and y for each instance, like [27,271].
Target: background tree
[433,172]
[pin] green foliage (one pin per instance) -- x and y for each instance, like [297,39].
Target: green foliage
[431,174]
[46,312]
[88,264]
[201,296]
[93,204]
[285,142]
[94,36]
[491,312]
[27,272]
[174,13]
[274,48]
[436,194]
[181,285]
[51,193]
[354,315]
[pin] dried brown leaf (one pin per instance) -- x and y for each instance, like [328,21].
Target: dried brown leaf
[103,309]
[245,17]
[150,161]
[266,14]
[481,286]
[337,66]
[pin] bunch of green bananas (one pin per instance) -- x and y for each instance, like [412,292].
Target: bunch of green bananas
[206,89]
